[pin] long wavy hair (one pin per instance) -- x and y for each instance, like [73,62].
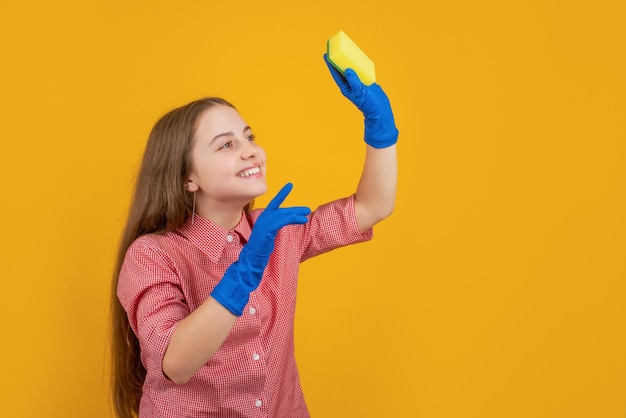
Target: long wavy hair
[159,204]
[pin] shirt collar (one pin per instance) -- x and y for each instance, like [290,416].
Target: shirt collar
[210,238]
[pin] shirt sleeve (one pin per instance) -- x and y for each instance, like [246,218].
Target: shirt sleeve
[331,226]
[149,290]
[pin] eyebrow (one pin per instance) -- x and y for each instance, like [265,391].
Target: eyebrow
[230,133]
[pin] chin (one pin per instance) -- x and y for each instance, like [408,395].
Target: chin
[261,190]
[257,189]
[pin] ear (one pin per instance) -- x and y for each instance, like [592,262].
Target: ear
[191,186]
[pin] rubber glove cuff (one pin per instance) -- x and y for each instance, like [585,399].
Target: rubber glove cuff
[380,130]
[241,278]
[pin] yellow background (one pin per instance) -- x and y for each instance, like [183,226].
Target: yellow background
[496,290]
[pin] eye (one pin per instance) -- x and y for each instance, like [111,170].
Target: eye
[251,138]
[226,145]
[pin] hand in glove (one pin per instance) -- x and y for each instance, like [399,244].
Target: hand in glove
[244,275]
[380,128]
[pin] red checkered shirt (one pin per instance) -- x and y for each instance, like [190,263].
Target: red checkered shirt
[254,373]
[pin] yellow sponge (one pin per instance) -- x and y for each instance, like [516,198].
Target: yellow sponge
[343,53]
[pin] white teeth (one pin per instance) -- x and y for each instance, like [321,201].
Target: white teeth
[250,172]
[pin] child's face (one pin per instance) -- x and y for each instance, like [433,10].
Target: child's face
[228,167]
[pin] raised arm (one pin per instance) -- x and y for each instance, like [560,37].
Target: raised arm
[376,193]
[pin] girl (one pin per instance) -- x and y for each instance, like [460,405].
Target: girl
[204,289]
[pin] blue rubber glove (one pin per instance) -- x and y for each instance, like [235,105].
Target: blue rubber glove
[244,275]
[380,128]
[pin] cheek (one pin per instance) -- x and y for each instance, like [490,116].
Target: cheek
[218,170]
[208,169]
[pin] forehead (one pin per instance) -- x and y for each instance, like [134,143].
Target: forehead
[219,119]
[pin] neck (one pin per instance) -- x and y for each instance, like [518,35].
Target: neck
[226,220]
[223,214]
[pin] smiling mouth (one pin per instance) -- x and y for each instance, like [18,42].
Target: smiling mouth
[250,172]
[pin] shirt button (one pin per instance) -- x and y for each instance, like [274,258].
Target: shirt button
[256,356]
[229,238]
[258,403]
[252,311]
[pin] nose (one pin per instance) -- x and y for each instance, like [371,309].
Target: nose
[249,151]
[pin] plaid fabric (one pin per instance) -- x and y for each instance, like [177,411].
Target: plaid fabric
[254,373]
